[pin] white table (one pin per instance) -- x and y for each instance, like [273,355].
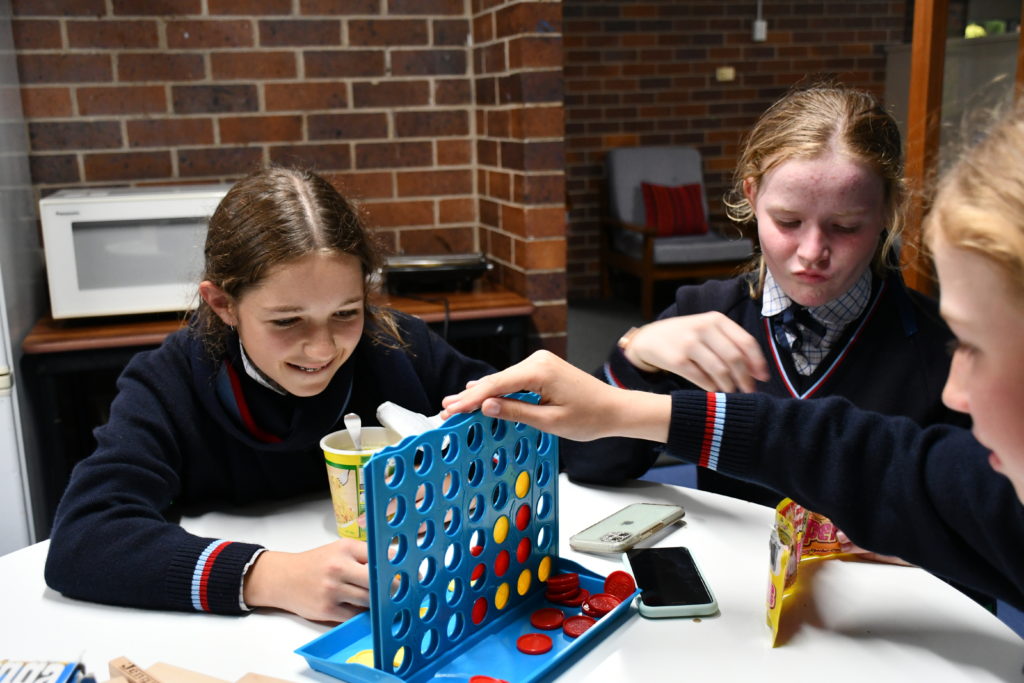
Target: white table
[853,621]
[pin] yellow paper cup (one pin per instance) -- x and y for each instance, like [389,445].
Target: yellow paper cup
[345,475]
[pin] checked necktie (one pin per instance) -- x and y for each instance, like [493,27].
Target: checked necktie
[796,321]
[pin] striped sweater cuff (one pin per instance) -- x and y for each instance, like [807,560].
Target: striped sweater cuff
[714,430]
[619,372]
[206,575]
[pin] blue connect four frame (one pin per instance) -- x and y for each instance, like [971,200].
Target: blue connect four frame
[463,533]
[471,533]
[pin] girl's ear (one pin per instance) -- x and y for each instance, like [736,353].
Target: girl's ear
[217,299]
[750,190]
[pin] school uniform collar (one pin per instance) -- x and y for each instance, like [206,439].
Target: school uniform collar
[257,374]
[276,417]
[835,315]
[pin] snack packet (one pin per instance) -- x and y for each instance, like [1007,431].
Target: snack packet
[798,534]
[19,671]
[819,537]
[782,547]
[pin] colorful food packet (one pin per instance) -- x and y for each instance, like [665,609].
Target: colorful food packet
[798,534]
[23,671]
[819,537]
[782,546]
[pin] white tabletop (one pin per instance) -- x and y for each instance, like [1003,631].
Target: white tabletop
[851,621]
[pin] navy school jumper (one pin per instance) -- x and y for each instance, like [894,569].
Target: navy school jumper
[188,431]
[893,360]
[927,495]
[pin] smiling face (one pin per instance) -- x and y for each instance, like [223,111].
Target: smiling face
[986,378]
[818,222]
[302,322]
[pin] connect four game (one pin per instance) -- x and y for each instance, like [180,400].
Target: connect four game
[463,545]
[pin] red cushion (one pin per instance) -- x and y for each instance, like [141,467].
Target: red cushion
[674,210]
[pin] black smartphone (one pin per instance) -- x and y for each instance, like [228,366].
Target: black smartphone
[670,582]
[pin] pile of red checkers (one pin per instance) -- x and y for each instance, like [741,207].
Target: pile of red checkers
[564,589]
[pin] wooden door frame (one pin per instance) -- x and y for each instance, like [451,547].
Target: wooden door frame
[924,113]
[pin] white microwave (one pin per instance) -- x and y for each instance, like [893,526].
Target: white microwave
[125,250]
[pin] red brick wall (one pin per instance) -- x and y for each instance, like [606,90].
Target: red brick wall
[441,117]
[517,60]
[643,73]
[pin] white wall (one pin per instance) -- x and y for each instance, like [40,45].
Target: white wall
[21,259]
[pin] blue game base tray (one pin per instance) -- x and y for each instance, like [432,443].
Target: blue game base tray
[492,652]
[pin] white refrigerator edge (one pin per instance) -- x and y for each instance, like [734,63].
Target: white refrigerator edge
[22,300]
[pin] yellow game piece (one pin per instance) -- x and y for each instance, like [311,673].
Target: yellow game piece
[364,657]
[525,579]
[500,529]
[544,569]
[523,484]
[501,596]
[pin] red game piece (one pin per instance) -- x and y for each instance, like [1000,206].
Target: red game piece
[600,604]
[620,584]
[560,583]
[486,679]
[523,550]
[575,626]
[559,597]
[479,610]
[562,587]
[523,517]
[501,563]
[547,618]
[580,597]
[534,644]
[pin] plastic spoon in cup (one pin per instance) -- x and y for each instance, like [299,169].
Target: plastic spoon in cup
[354,426]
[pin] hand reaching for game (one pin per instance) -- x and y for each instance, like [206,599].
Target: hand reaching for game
[329,583]
[708,349]
[573,404]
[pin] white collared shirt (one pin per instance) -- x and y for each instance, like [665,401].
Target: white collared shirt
[835,315]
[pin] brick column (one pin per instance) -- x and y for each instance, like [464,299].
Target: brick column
[517,65]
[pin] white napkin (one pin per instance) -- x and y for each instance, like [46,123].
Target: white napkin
[404,421]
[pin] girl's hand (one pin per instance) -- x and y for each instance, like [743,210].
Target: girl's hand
[708,349]
[329,583]
[573,404]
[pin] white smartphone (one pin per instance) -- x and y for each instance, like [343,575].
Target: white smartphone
[670,583]
[627,527]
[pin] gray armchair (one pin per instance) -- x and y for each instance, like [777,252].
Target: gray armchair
[631,246]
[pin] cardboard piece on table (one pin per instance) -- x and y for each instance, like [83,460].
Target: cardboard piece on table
[122,667]
[123,670]
[168,673]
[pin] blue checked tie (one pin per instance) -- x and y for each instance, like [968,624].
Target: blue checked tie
[796,321]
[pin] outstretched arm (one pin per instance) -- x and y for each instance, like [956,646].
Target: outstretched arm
[573,404]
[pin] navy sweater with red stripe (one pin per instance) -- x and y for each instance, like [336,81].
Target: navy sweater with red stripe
[892,360]
[188,431]
[927,495]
